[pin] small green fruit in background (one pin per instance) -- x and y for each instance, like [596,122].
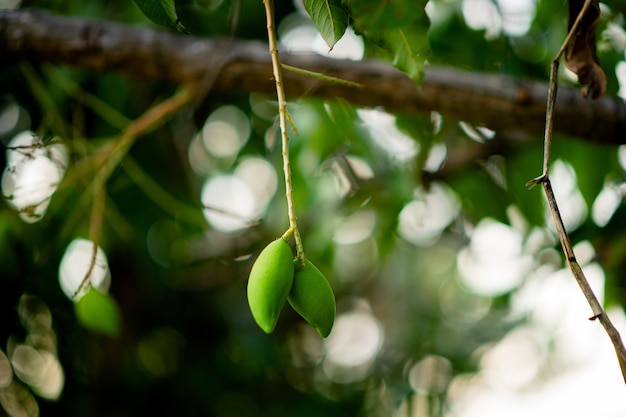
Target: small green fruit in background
[312,297]
[99,312]
[270,280]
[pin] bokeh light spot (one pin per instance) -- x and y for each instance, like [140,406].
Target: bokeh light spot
[225,131]
[297,33]
[352,346]
[33,173]
[384,132]
[159,240]
[350,46]
[27,363]
[605,204]
[482,15]
[478,134]
[9,118]
[422,221]
[493,263]
[355,228]
[431,375]
[436,157]
[348,171]
[514,17]
[260,177]
[201,162]
[460,307]
[521,344]
[6,372]
[229,203]
[75,265]
[620,73]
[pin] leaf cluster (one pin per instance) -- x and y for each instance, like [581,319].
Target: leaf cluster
[395,30]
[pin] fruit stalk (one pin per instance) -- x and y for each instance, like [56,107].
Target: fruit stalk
[282,115]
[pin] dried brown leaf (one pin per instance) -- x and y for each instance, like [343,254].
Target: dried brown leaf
[580,52]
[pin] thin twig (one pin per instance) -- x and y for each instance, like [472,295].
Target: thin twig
[111,157]
[95,231]
[566,244]
[147,122]
[573,30]
[283,122]
[321,76]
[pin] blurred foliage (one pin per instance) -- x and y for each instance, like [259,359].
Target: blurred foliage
[382,223]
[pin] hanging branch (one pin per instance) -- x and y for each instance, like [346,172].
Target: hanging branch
[283,123]
[591,83]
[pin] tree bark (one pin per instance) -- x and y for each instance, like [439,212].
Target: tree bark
[500,102]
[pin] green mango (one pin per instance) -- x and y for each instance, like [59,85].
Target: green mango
[312,297]
[270,280]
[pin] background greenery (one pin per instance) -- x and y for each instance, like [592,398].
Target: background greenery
[187,344]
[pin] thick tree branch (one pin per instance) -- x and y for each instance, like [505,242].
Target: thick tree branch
[497,101]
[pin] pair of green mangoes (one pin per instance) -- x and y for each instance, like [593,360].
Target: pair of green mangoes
[275,278]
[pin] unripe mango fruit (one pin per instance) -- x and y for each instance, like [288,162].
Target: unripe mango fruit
[312,297]
[270,280]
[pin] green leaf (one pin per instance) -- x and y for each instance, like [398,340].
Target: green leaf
[98,312]
[161,12]
[329,17]
[398,28]
[407,48]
